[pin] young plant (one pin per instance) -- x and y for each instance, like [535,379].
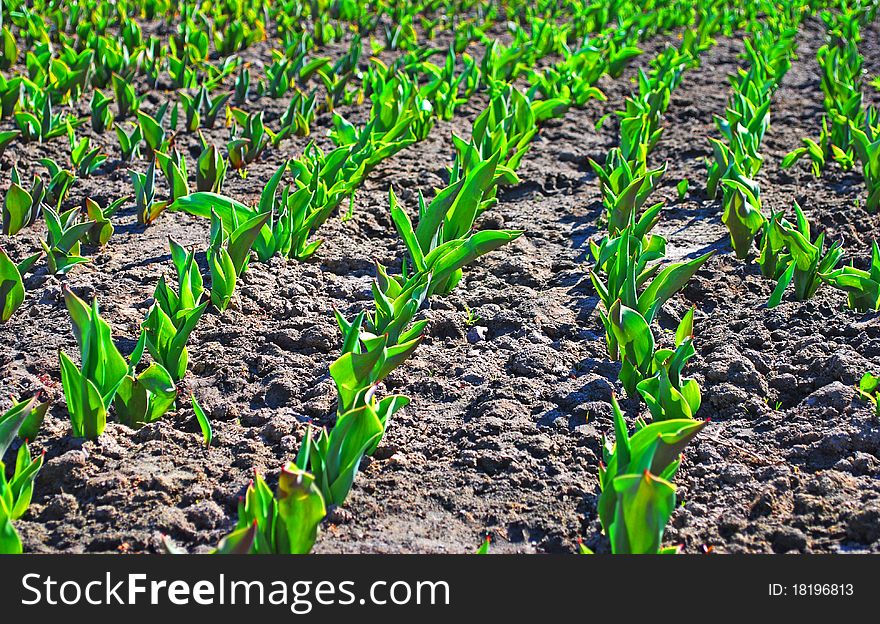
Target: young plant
[623,208]
[866,142]
[862,287]
[625,186]
[637,496]
[810,149]
[396,300]
[869,389]
[804,262]
[59,184]
[101,116]
[366,360]
[634,343]
[322,182]
[840,66]
[180,69]
[376,344]
[85,158]
[506,127]
[484,546]
[210,169]
[334,457]
[768,53]
[228,255]
[173,165]
[618,55]
[102,228]
[30,428]
[568,83]
[15,420]
[146,397]
[204,422]
[127,101]
[278,76]
[10,94]
[399,116]
[668,394]
[20,207]
[166,338]
[6,139]
[742,213]
[129,143]
[148,208]
[502,63]
[636,283]
[283,523]
[443,88]
[293,217]
[177,306]
[442,243]
[90,389]
[682,188]
[211,107]
[12,284]
[327,180]
[64,235]
[297,118]
[242,87]
[152,131]
[42,124]
[254,138]
[15,497]
[192,111]
[339,87]
[8,47]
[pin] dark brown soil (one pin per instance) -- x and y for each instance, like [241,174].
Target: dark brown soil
[503,432]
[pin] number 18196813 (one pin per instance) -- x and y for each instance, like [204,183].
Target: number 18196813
[811,589]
